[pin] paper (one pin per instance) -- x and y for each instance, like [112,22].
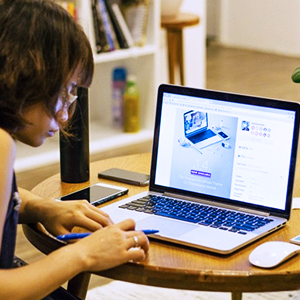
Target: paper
[296,203]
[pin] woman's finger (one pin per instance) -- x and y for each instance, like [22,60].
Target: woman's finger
[95,213]
[126,225]
[97,216]
[137,255]
[137,239]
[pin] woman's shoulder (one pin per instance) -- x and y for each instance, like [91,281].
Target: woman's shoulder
[7,144]
[5,137]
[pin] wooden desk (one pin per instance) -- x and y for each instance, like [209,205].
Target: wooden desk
[178,267]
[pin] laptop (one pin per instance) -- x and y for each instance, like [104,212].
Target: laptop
[196,129]
[231,193]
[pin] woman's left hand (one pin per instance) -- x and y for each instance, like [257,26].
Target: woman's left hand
[61,217]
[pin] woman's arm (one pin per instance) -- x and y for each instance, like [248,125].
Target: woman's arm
[105,248]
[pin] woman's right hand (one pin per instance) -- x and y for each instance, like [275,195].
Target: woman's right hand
[113,245]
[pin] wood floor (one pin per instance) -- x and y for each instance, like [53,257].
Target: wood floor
[254,73]
[233,70]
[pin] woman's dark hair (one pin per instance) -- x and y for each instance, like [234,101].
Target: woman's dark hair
[40,47]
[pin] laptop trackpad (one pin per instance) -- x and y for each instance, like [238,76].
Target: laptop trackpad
[166,227]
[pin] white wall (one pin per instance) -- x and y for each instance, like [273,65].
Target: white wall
[212,18]
[194,47]
[268,25]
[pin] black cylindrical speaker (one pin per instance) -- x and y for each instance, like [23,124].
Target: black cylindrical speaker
[74,149]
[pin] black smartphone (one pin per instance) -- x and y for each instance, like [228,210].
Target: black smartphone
[120,175]
[97,194]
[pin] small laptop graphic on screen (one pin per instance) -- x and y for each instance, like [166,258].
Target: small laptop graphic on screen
[196,129]
[235,189]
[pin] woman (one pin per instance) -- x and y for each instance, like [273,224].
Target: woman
[44,56]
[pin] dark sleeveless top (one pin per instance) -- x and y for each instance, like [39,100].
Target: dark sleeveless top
[10,229]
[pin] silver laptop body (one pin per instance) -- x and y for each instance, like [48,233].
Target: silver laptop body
[247,175]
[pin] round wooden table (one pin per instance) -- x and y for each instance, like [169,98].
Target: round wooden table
[174,266]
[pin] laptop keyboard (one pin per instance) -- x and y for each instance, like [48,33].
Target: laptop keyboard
[205,215]
[202,136]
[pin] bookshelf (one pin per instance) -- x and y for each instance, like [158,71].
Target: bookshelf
[141,61]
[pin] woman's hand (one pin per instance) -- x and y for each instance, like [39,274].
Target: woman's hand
[112,246]
[61,217]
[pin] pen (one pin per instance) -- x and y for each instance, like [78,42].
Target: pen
[73,236]
[150,231]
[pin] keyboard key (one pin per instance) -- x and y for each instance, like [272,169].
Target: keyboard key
[223,228]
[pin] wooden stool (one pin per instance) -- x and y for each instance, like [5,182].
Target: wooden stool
[174,26]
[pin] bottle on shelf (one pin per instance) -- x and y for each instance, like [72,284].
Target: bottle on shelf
[118,88]
[131,106]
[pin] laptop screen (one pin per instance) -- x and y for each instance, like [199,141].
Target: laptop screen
[252,163]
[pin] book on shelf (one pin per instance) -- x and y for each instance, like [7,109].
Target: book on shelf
[110,34]
[99,29]
[123,25]
[110,28]
[120,27]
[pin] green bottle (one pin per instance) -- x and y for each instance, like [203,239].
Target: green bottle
[131,106]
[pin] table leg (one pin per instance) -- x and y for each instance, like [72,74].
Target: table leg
[175,54]
[78,285]
[171,38]
[180,56]
[236,296]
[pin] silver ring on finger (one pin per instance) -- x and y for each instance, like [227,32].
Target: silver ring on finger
[136,241]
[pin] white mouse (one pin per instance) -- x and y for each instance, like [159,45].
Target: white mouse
[271,254]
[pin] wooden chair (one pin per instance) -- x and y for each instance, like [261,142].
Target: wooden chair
[174,26]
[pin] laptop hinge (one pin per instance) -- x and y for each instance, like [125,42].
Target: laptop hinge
[202,201]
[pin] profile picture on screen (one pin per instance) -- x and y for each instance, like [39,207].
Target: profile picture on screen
[245,125]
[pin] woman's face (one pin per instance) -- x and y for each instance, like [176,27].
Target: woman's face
[41,124]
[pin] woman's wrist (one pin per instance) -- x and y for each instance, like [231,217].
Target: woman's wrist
[34,208]
[79,256]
